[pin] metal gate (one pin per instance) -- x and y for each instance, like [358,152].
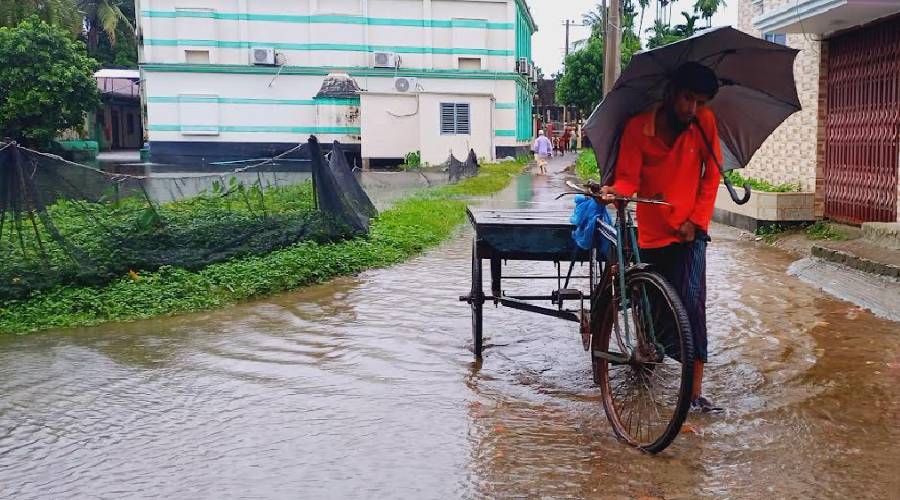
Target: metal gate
[862,148]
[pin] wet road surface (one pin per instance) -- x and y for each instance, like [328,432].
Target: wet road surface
[365,388]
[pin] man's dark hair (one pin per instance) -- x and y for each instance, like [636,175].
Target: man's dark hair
[695,77]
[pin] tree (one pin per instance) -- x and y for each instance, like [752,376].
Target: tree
[707,9]
[46,82]
[581,83]
[105,17]
[688,28]
[57,12]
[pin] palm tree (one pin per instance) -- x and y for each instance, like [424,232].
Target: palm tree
[57,12]
[104,16]
[688,28]
[708,8]
[661,34]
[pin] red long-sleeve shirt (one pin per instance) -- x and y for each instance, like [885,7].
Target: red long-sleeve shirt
[650,168]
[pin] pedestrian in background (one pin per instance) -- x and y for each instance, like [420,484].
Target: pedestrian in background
[543,150]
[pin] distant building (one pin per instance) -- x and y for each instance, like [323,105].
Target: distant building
[117,124]
[237,79]
[845,143]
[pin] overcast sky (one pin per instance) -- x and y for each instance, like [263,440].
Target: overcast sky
[549,42]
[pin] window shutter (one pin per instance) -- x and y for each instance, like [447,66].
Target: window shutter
[462,119]
[448,123]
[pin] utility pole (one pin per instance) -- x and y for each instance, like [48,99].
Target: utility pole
[612,61]
[568,22]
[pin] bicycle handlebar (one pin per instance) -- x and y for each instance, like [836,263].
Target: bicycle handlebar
[625,199]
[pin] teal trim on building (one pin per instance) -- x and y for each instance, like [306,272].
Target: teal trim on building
[523,8]
[330,19]
[524,31]
[505,133]
[233,100]
[401,49]
[324,70]
[523,113]
[505,105]
[254,129]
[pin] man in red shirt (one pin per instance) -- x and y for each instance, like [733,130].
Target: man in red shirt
[663,154]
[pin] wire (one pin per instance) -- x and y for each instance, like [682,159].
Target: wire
[143,177]
[280,68]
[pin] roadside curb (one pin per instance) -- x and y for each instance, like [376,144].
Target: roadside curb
[853,261]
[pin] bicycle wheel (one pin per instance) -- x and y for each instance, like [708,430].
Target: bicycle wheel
[643,360]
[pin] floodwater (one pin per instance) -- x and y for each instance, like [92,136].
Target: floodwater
[365,388]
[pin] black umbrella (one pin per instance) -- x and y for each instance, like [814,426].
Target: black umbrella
[757,94]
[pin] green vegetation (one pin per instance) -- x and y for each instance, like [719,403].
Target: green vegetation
[819,230]
[410,227]
[586,165]
[770,233]
[105,240]
[822,230]
[46,82]
[760,185]
[412,160]
[106,26]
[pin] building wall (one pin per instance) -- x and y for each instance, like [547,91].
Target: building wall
[394,123]
[790,154]
[200,85]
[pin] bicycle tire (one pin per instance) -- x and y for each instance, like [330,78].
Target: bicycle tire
[604,314]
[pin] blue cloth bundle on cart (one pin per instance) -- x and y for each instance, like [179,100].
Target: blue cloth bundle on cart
[585,215]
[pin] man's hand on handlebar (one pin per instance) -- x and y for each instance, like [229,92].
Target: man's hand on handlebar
[608,194]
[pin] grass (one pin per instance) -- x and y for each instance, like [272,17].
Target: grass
[819,230]
[823,230]
[760,185]
[586,165]
[410,227]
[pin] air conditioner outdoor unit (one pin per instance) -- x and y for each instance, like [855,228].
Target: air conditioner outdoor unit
[522,66]
[405,84]
[385,60]
[534,74]
[262,56]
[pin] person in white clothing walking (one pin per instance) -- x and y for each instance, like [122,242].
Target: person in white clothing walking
[542,149]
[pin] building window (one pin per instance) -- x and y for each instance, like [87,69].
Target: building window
[455,118]
[779,38]
[196,56]
[470,63]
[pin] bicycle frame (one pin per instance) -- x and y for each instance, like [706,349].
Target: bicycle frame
[624,254]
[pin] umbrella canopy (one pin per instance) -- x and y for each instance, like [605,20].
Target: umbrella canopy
[757,93]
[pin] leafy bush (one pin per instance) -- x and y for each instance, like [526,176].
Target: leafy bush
[586,165]
[105,240]
[412,160]
[822,230]
[760,185]
[46,82]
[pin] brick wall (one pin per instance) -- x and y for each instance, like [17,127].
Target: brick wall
[792,154]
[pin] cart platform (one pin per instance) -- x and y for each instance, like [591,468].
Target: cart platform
[525,234]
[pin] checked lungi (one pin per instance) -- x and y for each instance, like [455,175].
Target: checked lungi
[683,265]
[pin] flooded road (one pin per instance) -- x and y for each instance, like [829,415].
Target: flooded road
[365,388]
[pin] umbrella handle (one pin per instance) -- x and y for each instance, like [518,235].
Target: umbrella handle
[734,196]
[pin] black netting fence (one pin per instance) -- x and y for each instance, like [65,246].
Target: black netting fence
[63,223]
[459,170]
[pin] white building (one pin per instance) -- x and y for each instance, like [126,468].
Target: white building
[247,79]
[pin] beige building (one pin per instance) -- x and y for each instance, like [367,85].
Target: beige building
[844,143]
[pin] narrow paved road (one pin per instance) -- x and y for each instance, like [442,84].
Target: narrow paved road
[365,388]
